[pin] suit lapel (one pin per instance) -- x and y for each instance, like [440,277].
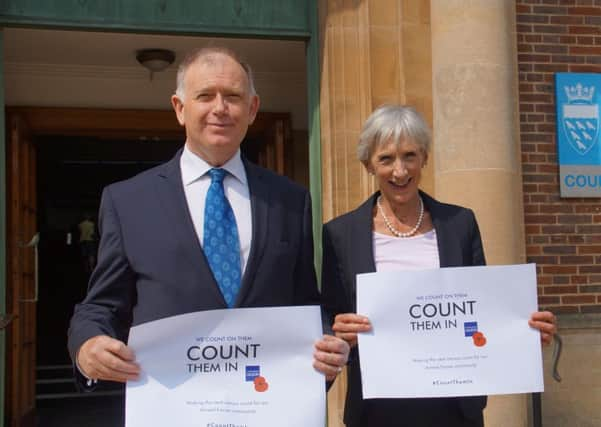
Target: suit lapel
[362,237]
[259,206]
[173,199]
[360,249]
[449,249]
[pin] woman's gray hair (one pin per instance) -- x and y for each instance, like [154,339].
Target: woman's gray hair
[392,123]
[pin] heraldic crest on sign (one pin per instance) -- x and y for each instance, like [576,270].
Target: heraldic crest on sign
[580,117]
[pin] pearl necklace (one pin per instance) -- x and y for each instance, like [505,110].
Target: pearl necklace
[393,230]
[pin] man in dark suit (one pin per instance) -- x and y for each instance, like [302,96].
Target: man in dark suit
[156,236]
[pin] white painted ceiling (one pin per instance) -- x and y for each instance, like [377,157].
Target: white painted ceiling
[94,69]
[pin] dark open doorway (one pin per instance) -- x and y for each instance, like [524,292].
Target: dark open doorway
[72,171]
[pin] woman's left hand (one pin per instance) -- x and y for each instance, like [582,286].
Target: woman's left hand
[546,323]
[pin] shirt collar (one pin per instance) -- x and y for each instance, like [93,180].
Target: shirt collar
[194,167]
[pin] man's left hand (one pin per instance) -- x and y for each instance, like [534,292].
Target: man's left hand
[331,355]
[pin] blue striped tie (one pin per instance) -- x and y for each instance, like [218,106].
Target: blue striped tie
[221,244]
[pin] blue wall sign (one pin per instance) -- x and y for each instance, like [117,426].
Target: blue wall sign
[577,98]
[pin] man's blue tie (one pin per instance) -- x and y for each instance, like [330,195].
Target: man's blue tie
[221,244]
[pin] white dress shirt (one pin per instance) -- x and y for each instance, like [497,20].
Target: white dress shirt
[196,181]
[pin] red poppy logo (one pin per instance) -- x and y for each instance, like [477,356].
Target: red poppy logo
[261,384]
[479,339]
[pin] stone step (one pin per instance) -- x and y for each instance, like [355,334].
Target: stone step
[53,371]
[57,382]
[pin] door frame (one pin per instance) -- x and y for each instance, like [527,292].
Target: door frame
[295,20]
[3,208]
[21,246]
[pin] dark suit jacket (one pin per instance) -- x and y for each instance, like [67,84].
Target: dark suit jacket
[151,264]
[348,251]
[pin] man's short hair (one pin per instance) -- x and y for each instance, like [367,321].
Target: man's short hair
[204,53]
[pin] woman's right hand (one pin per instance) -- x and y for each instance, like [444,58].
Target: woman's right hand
[347,325]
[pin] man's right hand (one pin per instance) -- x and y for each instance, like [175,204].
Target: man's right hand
[105,358]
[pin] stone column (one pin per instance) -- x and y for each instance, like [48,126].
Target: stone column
[476,152]
[372,52]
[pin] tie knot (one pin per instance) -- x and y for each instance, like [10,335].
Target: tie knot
[217,175]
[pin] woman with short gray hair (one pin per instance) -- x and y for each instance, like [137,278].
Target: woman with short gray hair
[399,228]
[392,123]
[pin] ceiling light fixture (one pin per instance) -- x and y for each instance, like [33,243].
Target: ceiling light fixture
[155,60]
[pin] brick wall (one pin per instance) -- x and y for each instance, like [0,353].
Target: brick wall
[563,236]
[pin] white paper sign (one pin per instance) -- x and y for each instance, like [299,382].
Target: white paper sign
[236,368]
[449,332]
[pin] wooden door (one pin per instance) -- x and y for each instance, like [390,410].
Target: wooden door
[272,145]
[272,151]
[21,258]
